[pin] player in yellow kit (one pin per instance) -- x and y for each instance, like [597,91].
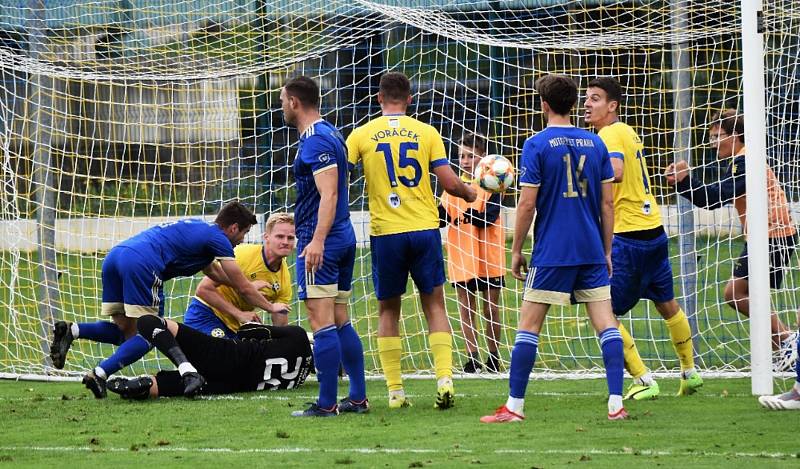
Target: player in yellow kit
[218,310]
[640,250]
[398,153]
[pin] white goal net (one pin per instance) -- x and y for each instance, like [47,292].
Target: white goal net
[116,115]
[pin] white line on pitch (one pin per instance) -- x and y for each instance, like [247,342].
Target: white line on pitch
[587,451]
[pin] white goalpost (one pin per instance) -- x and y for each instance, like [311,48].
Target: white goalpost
[116,115]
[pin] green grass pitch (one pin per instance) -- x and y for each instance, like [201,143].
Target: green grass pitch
[59,425]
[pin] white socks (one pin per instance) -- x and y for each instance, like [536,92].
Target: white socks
[186,367]
[75,330]
[100,373]
[645,380]
[515,405]
[614,404]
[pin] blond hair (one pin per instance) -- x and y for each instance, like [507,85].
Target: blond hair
[275,218]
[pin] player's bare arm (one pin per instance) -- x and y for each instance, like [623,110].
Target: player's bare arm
[453,185]
[326,182]
[214,272]
[607,222]
[207,292]
[618,164]
[246,288]
[526,210]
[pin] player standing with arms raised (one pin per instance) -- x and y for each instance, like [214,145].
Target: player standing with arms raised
[566,184]
[327,246]
[640,250]
[398,154]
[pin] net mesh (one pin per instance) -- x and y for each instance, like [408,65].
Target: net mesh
[116,115]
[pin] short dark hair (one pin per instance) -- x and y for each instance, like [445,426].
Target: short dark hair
[235,212]
[559,92]
[395,86]
[304,89]
[730,121]
[474,140]
[610,85]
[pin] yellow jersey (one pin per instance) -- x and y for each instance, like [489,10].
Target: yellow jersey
[635,207]
[251,260]
[397,153]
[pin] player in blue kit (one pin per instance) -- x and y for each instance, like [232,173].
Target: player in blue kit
[327,246]
[566,183]
[133,276]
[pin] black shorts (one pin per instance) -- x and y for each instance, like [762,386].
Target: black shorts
[233,365]
[481,284]
[780,253]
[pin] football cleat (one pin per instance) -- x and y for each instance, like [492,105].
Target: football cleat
[786,401]
[472,366]
[690,385]
[492,364]
[785,357]
[445,395]
[642,392]
[136,388]
[192,383]
[398,401]
[314,410]
[502,415]
[62,340]
[348,405]
[621,414]
[95,384]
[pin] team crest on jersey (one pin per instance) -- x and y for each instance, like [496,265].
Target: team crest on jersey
[253,275]
[276,286]
[394,200]
[646,208]
[217,332]
[324,158]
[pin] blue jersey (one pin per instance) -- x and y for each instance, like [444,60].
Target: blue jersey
[568,165]
[181,248]
[321,147]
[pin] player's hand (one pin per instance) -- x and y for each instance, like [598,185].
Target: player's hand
[261,284]
[519,266]
[609,266]
[280,308]
[248,316]
[312,254]
[470,194]
[676,172]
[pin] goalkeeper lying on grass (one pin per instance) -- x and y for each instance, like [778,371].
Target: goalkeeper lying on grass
[263,357]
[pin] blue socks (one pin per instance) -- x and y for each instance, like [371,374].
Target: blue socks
[101,331]
[613,358]
[353,361]
[327,356]
[522,358]
[131,350]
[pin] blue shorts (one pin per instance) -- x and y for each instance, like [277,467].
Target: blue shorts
[641,270]
[395,256]
[565,285]
[132,284]
[202,318]
[333,280]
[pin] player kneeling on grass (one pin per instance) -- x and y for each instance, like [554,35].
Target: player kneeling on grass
[262,357]
[219,310]
[566,184]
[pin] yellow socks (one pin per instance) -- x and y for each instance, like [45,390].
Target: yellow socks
[633,362]
[441,344]
[681,336]
[390,350]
